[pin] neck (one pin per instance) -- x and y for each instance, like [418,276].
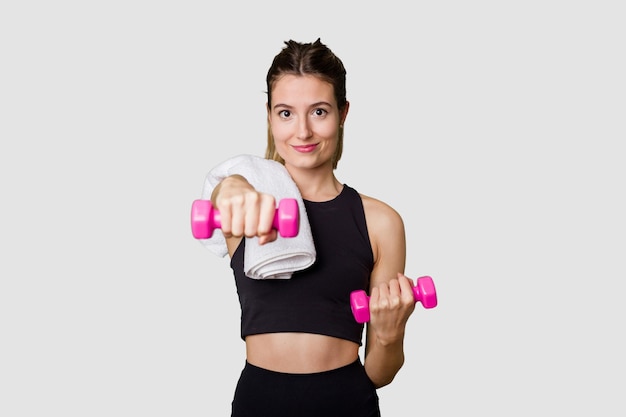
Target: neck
[316,186]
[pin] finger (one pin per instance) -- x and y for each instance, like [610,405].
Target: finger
[382,302]
[252,207]
[395,294]
[374,296]
[267,238]
[226,217]
[406,289]
[267,210]
[394,287]
[237,217]
[402,277]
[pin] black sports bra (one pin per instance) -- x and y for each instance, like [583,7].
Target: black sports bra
[315,300]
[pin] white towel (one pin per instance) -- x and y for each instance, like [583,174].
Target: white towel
[278,259]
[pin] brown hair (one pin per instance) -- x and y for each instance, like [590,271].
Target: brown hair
[307,59]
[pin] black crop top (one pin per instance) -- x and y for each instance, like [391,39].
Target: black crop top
[316,300]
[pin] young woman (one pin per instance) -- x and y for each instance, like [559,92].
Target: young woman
[312,367]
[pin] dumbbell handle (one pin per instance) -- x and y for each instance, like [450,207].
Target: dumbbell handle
[205,218]
[423,291]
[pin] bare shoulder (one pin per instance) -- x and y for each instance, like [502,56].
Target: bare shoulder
[386,230]
[381,215]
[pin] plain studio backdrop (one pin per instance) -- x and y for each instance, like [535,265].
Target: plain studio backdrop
[496,129]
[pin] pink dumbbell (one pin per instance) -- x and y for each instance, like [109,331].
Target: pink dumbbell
[205,218]
[423,291]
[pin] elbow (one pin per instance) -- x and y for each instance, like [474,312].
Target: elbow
[387,377]
[383,383]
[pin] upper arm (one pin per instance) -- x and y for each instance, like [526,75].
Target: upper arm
[388,240]
[387,236]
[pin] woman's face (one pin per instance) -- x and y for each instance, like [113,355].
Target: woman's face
[304,120]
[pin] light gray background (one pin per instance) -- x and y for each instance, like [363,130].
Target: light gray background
[495,128]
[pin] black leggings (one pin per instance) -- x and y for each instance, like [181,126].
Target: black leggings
[342,392]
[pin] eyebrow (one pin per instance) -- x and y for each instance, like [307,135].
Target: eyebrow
[317,104]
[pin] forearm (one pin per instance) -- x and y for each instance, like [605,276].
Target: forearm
[383,361]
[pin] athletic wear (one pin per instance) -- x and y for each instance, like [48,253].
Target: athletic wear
[342,392]
[316,300]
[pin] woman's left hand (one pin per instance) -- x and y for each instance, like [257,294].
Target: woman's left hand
[390,306]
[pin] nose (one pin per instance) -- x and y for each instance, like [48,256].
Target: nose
[304,129]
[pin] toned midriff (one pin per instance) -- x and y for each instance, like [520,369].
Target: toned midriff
[299,352]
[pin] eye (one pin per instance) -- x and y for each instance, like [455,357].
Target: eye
[285,114]
[320,112]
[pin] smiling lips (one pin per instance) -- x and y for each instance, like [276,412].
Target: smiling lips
[305,148]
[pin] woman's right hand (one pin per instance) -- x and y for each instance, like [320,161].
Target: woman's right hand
[244,211]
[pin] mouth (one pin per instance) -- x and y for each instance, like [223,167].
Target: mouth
[305,148]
